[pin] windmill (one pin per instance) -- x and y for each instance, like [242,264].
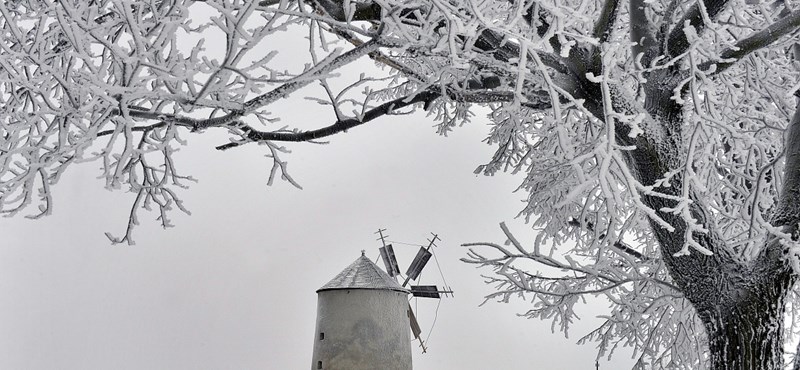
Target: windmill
[412,273]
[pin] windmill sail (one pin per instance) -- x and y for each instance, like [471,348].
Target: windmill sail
[415,329]
[425,291]
[389,260]
[418,264]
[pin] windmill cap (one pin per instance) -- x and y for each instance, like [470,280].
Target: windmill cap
[363,274]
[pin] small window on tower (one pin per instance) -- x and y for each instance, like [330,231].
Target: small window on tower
[319,364]
[321,336]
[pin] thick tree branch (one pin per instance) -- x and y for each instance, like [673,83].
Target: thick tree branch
[641,33]
[788,210]
[475,93]
[650,162]
[663,28]
[178,120]
[361,11]
[493,43]
[605,22]
[756,41]
[251,135]
[677,43]
[426,97]
[602,31]
[542,26]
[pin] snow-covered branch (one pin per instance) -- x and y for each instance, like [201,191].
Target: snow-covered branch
[648,319]
[784,26]
[678,40]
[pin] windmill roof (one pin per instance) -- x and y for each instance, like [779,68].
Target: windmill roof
[362,274]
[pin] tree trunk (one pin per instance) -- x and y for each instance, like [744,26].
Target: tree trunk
[747,335]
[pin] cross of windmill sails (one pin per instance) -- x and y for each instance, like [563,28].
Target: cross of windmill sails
[412,273]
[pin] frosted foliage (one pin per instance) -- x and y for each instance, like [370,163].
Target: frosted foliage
[655,137]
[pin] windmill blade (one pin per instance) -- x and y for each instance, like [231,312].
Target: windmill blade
[418,264]
[415,329]
[389,260]
[425,291]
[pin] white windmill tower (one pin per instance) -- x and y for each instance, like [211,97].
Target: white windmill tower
[363,315]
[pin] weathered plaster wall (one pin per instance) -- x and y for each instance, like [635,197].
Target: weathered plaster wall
[364,329]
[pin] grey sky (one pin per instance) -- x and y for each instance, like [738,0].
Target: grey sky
[233,286]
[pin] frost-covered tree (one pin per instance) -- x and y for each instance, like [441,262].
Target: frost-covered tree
[659,140]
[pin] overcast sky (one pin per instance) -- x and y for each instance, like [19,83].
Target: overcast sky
[233,285]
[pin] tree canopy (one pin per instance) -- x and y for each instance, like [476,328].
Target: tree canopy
[659,141]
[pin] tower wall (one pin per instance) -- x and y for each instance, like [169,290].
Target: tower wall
[362,329]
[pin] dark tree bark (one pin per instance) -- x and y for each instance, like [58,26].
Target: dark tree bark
[748,334]
[741,304]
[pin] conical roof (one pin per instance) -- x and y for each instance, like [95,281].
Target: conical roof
[362,274]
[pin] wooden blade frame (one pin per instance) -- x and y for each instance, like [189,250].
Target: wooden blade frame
[418,263]
[425,291]
[415,329]
[389,260]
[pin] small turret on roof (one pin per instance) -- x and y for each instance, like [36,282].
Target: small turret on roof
[363,274]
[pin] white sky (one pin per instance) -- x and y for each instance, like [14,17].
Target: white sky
[233,286]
